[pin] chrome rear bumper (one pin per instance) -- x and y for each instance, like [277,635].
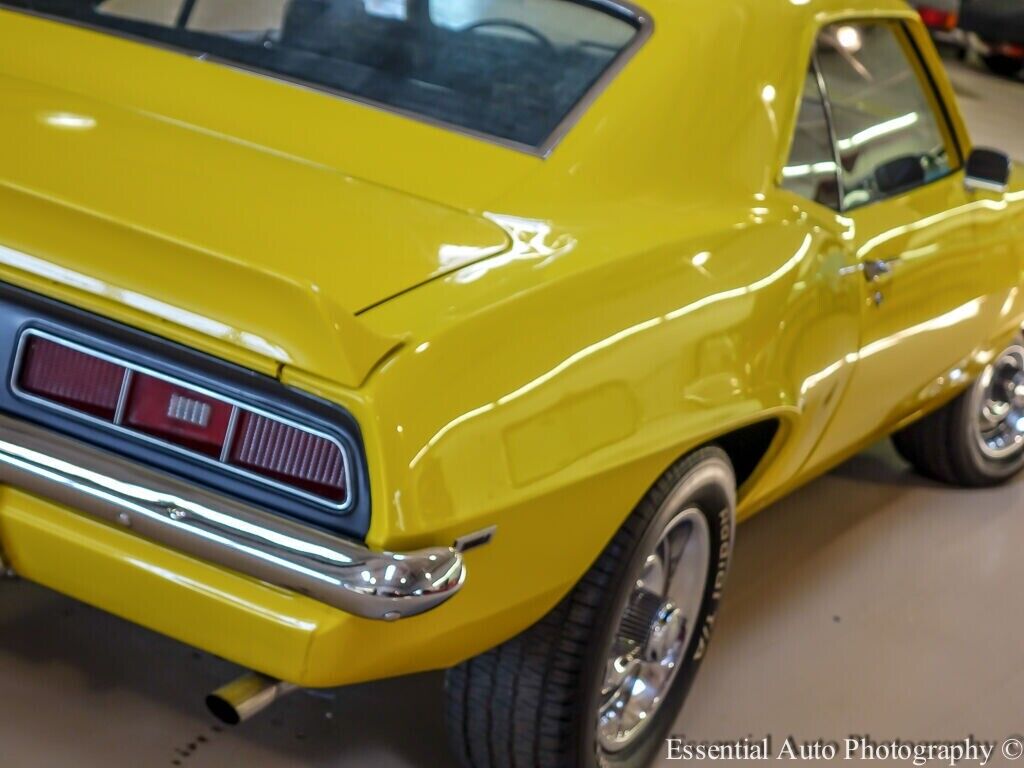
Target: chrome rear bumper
[223,531]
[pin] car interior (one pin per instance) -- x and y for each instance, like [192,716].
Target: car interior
[510,69]
[888,135]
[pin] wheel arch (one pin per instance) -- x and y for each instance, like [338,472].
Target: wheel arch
[748,448]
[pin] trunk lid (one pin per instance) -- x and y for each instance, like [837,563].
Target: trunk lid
[243,240]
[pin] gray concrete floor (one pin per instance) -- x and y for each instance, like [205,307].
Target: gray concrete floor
[871,601]
[992,106]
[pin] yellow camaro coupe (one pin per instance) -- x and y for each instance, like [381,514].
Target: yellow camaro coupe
[346,339]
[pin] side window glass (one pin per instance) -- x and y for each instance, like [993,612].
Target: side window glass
[890,137]
[811,169]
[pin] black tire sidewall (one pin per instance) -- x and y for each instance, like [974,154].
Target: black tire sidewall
[1004,66]
[715,498]
[981,468]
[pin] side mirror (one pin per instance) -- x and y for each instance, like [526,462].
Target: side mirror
[988,170]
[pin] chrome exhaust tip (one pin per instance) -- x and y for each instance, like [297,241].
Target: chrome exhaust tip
[246,697]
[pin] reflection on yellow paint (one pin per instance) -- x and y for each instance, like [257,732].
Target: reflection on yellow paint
[953,217]
[68,121]
[616,338]
[530,239]
[1010,302]
[183,317]
[451,256]
[954,317]
[207,588]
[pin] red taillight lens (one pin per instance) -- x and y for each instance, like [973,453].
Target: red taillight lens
[72,378]
[177,414]
[290,455]
[938,19]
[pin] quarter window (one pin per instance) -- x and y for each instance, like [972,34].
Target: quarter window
[889,136]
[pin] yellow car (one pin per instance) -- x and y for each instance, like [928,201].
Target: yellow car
[347,339]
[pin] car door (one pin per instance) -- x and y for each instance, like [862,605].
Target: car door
[930,295]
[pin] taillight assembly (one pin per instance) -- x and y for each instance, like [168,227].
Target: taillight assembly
[159,408]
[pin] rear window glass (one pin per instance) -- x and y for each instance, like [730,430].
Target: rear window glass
[509,69]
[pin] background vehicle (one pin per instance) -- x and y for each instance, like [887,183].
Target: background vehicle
[996,29]
[942,17]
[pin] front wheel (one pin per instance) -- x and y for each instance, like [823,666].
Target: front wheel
[976,440]
[598,682]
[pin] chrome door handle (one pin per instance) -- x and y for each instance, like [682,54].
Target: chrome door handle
[876,269]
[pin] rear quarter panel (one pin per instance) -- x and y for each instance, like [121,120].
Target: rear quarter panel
[546,397]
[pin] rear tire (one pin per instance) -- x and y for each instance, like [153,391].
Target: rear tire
[975,440]
[543,699]
[1004,66]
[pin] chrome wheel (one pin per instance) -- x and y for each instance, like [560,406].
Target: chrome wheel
[999,403]
[655,630]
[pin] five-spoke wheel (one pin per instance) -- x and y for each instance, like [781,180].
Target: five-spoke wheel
[599,681]
[978,438]
[654,630]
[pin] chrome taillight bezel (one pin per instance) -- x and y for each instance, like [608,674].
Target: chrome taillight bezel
[116,426]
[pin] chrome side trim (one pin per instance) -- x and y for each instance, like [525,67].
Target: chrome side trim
[634,14]
[830,123]
[221,462]
[644,30]
[226,532]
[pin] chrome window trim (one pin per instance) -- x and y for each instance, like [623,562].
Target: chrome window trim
[630,12]
[220,463]
[644,30]
[830,126]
